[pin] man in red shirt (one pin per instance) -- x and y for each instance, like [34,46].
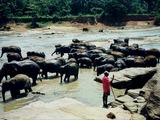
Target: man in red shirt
[106,88]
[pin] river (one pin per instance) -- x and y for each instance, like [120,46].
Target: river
[84,89]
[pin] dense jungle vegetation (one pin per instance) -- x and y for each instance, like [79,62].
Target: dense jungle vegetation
[49,9]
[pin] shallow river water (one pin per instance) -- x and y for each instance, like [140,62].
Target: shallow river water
[84,89]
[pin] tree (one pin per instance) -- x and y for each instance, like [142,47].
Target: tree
[116,11]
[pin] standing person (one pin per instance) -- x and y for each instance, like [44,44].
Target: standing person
[106,88]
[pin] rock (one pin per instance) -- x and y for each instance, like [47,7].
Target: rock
[134,92]
[70,110]
[131,106]
[139,99]
[115,104]
[132,78]
[111,115]
[152,94]
[125,98]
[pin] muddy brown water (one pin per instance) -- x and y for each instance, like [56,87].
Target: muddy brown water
[84,89]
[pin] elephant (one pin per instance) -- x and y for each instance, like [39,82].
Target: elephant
[118,48]
[15,49]
[155,52]
[129,61]
[76,41]
[117,54]
[137,51]
[85,29]
[77,55]
[105,67]
[39,60]
[15,84]
[85,61]
[150,61]
[13,56]
[120,64]
[27,67]
[103,60]
[139,62]
[121,43]
[33,53]
[62,49]
[69,69]
[71,60]
[78,50]
[52,66]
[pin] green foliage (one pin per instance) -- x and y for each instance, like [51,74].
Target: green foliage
[157,20]
[117,9]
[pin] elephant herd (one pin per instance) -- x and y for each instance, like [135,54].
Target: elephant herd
[81,54]
[120,55]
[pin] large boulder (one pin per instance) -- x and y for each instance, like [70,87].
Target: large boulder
[151,92]
[130,78]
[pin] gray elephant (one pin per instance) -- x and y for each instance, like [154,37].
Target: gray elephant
[27,67]
[15,84]
[62,49]
[15,49]
[150,61]
[13,56]
[69,69]
[120,64]
[33,53]
[103,60]
[85,61]
[155,52]
[106,67]
[52,66]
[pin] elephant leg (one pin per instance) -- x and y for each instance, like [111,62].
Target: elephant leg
[62,54]
[44,73]
[68,78]
[56,73]
[34,80]
[26,90]
[13,93]
[65,78]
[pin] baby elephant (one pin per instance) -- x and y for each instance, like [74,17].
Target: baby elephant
[15,84]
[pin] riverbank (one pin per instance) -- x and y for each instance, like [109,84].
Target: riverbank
[72,26]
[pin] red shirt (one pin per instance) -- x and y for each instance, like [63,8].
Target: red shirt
[106,84]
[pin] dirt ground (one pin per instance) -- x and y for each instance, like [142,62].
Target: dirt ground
[69,27]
